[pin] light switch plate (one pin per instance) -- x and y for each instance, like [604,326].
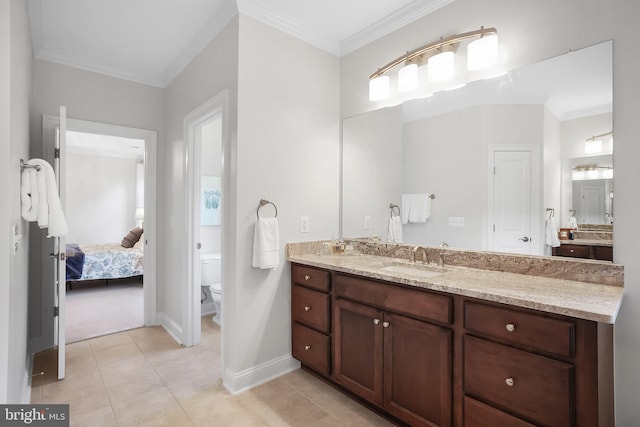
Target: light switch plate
[304,224]
[367,222]
[456,221]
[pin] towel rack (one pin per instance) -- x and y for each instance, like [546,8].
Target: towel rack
[24,165]
[553,212]
[432,196]
[266,202]
[572,213]
[393,206]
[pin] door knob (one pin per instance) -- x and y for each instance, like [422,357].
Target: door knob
[524,239]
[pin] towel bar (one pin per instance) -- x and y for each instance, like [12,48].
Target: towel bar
[266,202]
[393,206]
[24,165]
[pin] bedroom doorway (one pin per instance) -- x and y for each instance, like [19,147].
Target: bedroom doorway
[107,169]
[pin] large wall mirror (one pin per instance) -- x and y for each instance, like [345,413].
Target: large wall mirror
[450,143]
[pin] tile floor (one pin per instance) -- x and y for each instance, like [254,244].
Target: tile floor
[142,377]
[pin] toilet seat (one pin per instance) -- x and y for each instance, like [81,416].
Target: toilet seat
[216,288]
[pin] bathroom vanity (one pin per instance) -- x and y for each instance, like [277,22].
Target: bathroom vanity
[451,345]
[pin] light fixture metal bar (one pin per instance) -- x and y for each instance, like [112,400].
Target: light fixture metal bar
[593,138]
[456,38]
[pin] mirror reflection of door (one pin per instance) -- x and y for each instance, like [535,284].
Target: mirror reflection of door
[590,201]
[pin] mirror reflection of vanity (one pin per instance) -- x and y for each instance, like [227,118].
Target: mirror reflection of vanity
[443,145]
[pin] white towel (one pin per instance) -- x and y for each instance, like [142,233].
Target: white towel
[395,230]
[40,201]
[573,222]
[416,207]
[266,244]
[551,233]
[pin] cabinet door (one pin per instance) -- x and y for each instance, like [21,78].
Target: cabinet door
[417,371]
[358,349]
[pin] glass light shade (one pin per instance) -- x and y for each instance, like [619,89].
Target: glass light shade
[139,215]
[577,175]
[408,78]
[593,147]
[378,88]
[440,67]
[607,174]
[482,53]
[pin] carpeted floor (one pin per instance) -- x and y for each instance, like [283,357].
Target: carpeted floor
[95,309]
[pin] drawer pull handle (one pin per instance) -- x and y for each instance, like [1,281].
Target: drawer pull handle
[307,347]
[571,250]
[307,277]
[307,308]
[376,321]
[385,324]
[510,327]
[510,382]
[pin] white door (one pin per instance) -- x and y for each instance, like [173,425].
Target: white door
[592,206]
[59,250]
[512,204]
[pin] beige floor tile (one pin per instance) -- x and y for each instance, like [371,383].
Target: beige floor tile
[188,367]
[80,348]
[82,398]
[118,354]
[125,386]
[146,407]
[101,417]
[110,341]
[200,388]
[176,418]
[220,411]
[36,394]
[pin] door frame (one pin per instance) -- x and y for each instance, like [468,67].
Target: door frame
[537,245]
[49,124]
[215,106]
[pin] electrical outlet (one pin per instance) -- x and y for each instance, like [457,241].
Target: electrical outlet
[456,221]
[367,222]
[304,224]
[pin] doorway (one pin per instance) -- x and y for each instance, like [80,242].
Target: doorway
[147,147]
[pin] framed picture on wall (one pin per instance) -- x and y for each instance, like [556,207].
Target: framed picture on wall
[210,207]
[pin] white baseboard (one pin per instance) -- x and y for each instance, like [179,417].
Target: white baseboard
[237,382]
[171,326]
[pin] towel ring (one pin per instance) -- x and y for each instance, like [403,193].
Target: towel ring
[393,206]
[266,202]
[24,165]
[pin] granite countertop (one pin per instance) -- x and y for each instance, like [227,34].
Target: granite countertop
[587,242]
[589,301]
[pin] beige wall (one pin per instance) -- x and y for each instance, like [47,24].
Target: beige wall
[532,31]
[15,86]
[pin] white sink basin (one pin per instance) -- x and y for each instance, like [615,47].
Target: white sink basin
[421,271]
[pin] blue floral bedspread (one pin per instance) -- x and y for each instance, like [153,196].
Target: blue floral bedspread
[111,261]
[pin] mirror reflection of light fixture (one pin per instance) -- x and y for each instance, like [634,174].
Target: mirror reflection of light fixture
[439,55]
[585,172]
[593,145]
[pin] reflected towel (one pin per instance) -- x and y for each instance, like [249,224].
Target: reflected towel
[394,234]
[573,222]
[551,233]
[416,207]
[266,244]
[40,199]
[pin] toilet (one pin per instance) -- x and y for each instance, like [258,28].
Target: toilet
[212,278]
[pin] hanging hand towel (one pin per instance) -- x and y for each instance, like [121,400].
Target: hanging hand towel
[551,233]
[266,244]
[394,233]
[416,207]
[41,196]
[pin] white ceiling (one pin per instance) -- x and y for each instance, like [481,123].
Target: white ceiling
[151,41]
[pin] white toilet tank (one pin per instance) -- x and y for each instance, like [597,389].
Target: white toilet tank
[211,268]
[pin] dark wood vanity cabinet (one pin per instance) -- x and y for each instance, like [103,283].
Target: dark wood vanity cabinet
[603,253]
[433,359]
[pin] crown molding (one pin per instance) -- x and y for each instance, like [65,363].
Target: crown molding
[289,26]
[411,12]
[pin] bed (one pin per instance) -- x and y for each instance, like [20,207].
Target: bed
[103,262]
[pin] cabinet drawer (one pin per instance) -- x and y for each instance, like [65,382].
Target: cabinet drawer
[534,387]
[604,253]
[310,277]
[310,347]
[310,307]
[416,303]
[515,327]
[576,251]
[477,414]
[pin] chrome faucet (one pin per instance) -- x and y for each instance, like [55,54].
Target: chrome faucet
[425,257]
[442,245]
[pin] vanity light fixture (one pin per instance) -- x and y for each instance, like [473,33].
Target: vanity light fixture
[593,145]
[584,172]
[439,57]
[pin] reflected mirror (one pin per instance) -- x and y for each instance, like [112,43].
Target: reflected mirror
[496,154]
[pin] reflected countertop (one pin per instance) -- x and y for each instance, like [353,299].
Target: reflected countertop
[589,301]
